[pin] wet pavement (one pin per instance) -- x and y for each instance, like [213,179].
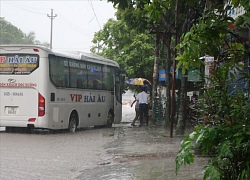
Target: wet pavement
[143,153]
[122,152]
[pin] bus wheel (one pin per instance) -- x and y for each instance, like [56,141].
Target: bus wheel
[110,120]
[9,129]
[72,123]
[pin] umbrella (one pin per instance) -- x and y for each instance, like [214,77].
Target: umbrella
[138,82]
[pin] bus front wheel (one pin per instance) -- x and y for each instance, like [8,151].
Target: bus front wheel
[72,123]
[110,120]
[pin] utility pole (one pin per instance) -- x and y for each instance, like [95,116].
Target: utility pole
[51,16]
[0,8]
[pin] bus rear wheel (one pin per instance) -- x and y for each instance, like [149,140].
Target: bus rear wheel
[9,129]
[72,123]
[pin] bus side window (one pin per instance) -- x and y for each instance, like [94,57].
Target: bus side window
[104,86]
[79,83]
[90,85]
[95,84]
[85,84]
[60,83]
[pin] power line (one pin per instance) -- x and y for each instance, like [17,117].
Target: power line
[23,8]
[91,5]
[72,25]
[63,20]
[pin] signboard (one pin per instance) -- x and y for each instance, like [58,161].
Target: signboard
[178,73]
[194,75]
[209,68]
[18,63]
[162,75]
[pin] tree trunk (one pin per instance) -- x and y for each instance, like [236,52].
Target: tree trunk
[155,73]
[180,129]
[168,96]
[174,68]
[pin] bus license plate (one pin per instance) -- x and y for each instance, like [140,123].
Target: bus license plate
[12,110]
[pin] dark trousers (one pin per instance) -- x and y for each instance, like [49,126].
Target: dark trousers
[143,108]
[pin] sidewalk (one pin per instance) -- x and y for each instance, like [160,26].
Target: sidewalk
[148,152]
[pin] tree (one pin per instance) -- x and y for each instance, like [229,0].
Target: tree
[10,34]
[159,18]
[225,133]
[132,50]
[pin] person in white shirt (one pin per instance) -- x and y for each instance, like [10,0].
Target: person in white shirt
[142,98]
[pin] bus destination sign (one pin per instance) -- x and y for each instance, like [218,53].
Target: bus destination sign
[18,63]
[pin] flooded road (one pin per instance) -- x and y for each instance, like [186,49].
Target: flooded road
[51,156]
[118,153]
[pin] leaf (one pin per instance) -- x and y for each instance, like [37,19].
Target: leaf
[238,140]
[211,172]
[225,150]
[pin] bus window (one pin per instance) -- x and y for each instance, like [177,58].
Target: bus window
[83,76]
[108,79]
[59,71]
[94,76]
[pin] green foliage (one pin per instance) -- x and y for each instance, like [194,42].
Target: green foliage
[226,132]
[211,36]
[133,51]
[185,155]
[212,172]
[9,34]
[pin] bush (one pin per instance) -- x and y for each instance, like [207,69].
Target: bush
[225,134]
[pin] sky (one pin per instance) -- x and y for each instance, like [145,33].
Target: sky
[73,27]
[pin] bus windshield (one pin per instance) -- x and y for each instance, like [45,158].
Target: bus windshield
[18,63]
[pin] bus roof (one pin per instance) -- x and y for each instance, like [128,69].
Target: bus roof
[70,54]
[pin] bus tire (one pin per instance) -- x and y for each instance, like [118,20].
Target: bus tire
[9,129]
[110,120]
[72,123]
[28,130]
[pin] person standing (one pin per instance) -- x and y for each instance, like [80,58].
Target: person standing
[137,112]
[142,98]
[194,98]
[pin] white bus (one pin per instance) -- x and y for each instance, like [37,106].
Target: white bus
[40,88]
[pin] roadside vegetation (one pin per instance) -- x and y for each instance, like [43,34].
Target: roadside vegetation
[10,34]
[186,31]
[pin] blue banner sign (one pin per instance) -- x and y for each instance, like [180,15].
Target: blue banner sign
[162,75]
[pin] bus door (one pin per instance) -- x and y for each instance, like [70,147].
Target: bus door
[117,99]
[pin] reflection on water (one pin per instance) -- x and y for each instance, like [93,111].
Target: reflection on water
[148,169]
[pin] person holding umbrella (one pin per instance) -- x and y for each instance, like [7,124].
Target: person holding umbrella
[142,98]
